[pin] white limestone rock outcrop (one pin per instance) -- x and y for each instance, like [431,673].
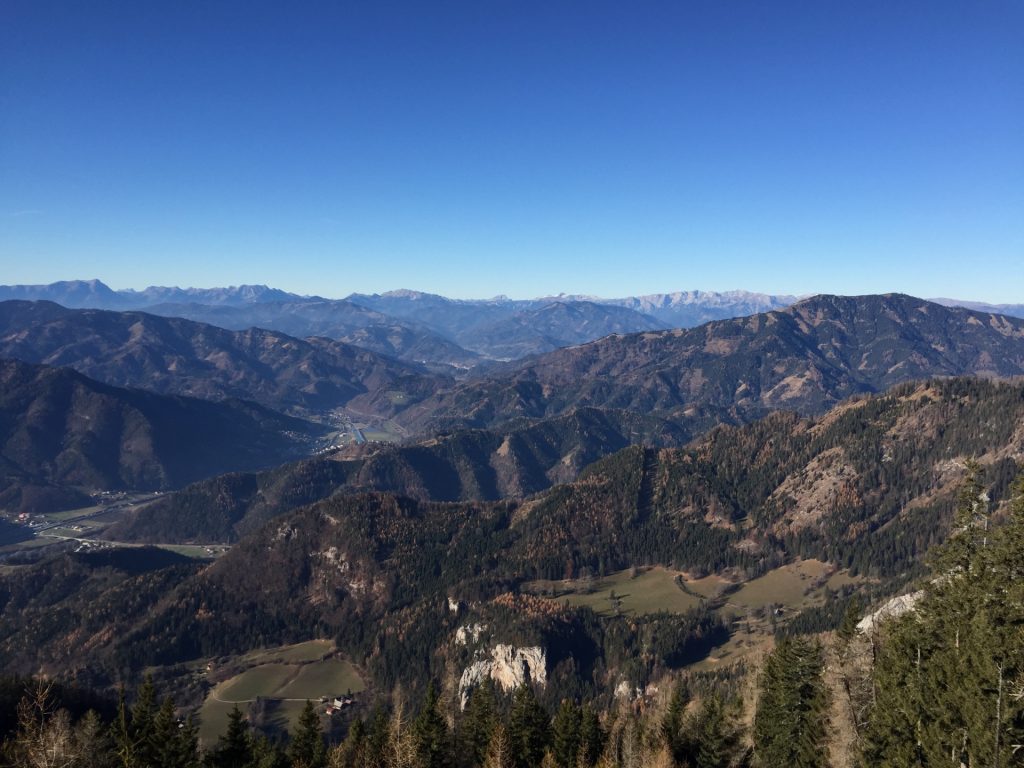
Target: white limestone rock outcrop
[895,607]
[508,666]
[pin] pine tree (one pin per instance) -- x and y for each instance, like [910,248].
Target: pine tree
[671,727]
[592,737]
[946,671]
[478,722]
[266,754]
[234,747]
[789,728]
[186,746]
[714,737]
[528,728]
[350,753]
[565,730]
[143,728]
[121,733]
[307,749]
[377,737]
[431,733]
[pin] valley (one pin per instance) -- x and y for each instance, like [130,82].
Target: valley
[603,521]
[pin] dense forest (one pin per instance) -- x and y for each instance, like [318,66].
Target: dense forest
[941,684]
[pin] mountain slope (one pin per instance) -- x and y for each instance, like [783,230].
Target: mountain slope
[472,465]
[804,358]
[1013,310]
[339,320]
[59,429]
[552,326]
[175,356]
[94,294]
[870,485]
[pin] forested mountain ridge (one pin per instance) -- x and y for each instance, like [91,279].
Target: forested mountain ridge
[804,358]
[62,431]
[870,486]
[175,356]
[468,465]
[340,320]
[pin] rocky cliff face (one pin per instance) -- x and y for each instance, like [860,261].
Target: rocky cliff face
[508,666]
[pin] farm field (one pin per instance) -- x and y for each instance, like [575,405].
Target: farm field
[284,678]
[786,586]
[311,650]
[647,591]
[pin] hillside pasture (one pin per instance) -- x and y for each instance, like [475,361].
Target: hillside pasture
[283,678]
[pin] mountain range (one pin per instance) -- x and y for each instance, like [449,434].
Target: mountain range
[175,356]
[804,358]
[63,435]
[449,335]
[869,486]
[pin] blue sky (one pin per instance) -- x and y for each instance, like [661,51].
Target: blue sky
[477,148]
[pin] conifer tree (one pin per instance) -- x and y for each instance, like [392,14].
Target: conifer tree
[478,722]
[672,732]
[186,745]
[789,728]
[565,730]
[143,728]
[431,733]
[266,754]
[351,751]
[121,733]
[234,747]
[377,738]
[592,737]
[944,671]
[715,739]
[528,728]
[307,749]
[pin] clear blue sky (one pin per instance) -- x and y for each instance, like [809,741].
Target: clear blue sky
[526,148]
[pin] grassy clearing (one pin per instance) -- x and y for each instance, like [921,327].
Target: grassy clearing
[841,579]
[195,551]
[709,586]
[789,585]
[213,720]
[31,543]
[263,680]
[324,678]
[285,677]
[312,650]
[69,514]
[647,591]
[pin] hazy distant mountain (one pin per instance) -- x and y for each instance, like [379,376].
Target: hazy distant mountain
[507,329]
[235,295]
[552,326]
[803,358]
[172,355]
[93,294]
[341,320]
[68,293]
[1013,310]
[449,317]
[59,428]
[686,309]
